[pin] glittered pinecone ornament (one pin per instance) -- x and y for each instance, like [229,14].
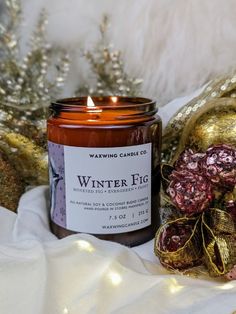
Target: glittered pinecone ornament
[188,160]
[191,193]
[219,165]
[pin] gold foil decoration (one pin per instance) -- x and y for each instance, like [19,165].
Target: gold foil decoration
[186,256]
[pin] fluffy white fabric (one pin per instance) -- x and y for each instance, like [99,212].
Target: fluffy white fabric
[175,46]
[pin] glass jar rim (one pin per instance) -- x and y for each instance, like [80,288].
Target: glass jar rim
[79,104]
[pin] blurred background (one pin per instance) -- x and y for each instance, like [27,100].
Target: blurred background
[174,47]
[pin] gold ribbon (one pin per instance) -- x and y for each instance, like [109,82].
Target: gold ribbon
[212,242]
[219,246]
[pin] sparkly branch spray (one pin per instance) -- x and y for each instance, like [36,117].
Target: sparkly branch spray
[25,92]
[108,69]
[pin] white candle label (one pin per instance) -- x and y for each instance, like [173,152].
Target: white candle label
[100,190]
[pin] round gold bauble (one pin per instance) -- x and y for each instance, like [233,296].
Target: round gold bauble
[215,123]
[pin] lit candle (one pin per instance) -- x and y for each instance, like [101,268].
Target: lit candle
[104,162]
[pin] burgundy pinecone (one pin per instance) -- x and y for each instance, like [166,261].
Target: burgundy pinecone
[188,160]
[219,165]
[191,193]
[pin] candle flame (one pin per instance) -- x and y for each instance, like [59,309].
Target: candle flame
[92,108]
[114,99]
[90,102]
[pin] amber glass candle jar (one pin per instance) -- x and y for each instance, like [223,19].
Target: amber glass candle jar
[104,165]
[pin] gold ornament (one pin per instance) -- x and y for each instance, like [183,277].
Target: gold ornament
[222,87]
[215,123]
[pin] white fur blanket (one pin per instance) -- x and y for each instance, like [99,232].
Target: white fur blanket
[174,46]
